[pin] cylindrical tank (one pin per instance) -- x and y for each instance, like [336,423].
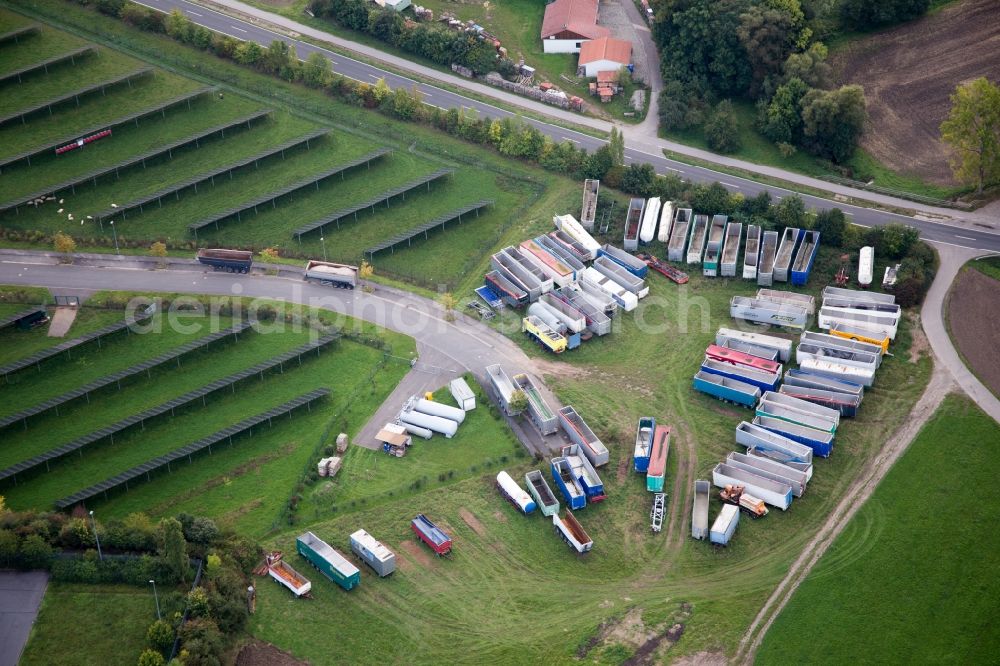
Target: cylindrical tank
[418,431]
[516,493]
[545,313]
[444,426]
[649,219]
[437,409]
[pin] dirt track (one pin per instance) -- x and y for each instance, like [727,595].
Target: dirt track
[972,314]
[909,73]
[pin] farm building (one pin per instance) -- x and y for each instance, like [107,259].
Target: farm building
[568,24]
[604,55]
[395,5]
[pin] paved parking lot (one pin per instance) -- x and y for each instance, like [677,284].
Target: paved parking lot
[21,594]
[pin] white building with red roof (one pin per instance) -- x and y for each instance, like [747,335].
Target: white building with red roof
[569,24]
[606,54]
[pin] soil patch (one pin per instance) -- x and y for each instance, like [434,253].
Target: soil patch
[920,346]
[472,522]
[417,552]
[62,319]
[909,73]
[702,659]
[260,653]
[973,309]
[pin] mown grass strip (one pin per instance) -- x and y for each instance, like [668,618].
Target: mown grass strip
[17,34]
[44,65]
[424,228]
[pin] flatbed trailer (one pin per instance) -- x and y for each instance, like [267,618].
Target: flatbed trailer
[571,531]
[751,255]
[539,489]
[783,260]
[580,433]
[677,244]
[768,254]
[699,510]
[696,245]
[731,249]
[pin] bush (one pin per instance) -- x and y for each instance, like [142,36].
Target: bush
[151,658]
[722,129]
[34,553]
[160,636]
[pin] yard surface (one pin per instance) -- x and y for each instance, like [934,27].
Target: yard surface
[912,577]
[972,314]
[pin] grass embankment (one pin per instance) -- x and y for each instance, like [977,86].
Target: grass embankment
[988,266]
[16,344]
[912,577]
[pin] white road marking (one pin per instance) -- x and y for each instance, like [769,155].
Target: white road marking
[847,212]
[964,237]
[566,138]
[729,185]
[673,169]
[193,13]
[238,28]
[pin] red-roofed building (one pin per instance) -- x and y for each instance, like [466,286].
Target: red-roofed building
[568,24]
[604,55]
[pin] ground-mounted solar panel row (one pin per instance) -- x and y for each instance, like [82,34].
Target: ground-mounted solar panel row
[44,65]
[201,179]
[149,155]
[16,317]
[76,95]
[272,197]
[17,34]
[36,359]
[384,197]
[162,108]
[147,468]
[110,431]
[118,377]
[426,227]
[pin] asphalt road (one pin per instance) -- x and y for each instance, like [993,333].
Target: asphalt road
[21,595]
[960,235]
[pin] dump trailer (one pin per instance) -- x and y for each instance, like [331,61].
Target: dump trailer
[796,416]
[523,284]
[438,409]
[770,469]
[696,244]
[373,553]
[820,441]
[514,494]
[541,414]
[621,275]
[560,273]
[462,394]
[699,510]
[643,443]
[532,281]
[584,472]
[629,262]
[342,276]
[840,342]
[783,260]
[625,299]
[824,352]
[751,255]
[724,388]
[805,468]
[781,345]
[597,322]
[229,261]
[283,573]
[750,348]
[573,493]
[677,244]
[805,258]
[796,377]
[845,403]
[579,250]
[650,216]
[541,333]
[768,312]
[765,381]
[831,415]
[848,373]
[431,534]
[666,221]
[633,224]
[539,489]
[438,424]
[848,332]
[518,258]
[858,295]
[330,563]
[580,433]
[559,251]
[768,254]
[731,249]
[774,493]
[878,309]
[502,388]
[511,294]
[665,269]
[790,297]
[880,326]
[588,210]
[755,436]
[735,357]
[656,474]
[597,295]
[573,319]
[866,266]
[571,531]
[725,525]
[713,250]
[569,225]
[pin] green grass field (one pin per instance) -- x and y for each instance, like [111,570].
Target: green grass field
[912,577]
[989,266]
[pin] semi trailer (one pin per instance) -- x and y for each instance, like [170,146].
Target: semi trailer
[769,312]
[621,275]
[776,494]
[783,260]
[541,414]
[539,489]
[643,443]
[229,261]
[569,486]
[713,249]
[696,244]
[677,244]
[571,531]
[629,262]
[502,389]
[341,276]
[805,258]
[328,561]
[750,435]
[724,525]
[765,381]
[699,510]
[751,255]
[782,346]
[580,433]
[724,388]
[514,494]
[731,249]
[431,534]
[790,297]
[625,299]
[633,224]
[820,441]
[650,217]
[373,553]
[768,253]
[584,472]
[569,225]
[664,269]
[656,473]
[666,221]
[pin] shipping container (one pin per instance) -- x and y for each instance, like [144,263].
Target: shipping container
[735,357]
[328,561]
[633,224]
[643,443]
[502,388]
[768,312]
[783,260]
[629,262]
[824,352]
[770,469]
[573,320]
[713,248]
[724,388]
[573,493]
[541,414]
[571,531]
[656,474]
[828,340]
[650,216]
[438,409]
[696,244]
[342,276]
[866,266]
[588,210]
[511,294]
[580,433]
[579,250]
[858,296]
[514,493]
[666,222]
[431,534]
[756,436]
[781,345]
[773,493]
[792,298]
[625,299]
[539,489]
[462,394]
[768,254]
[229,261]
[750,348]
[438,424]
[283,573]
[597,322]
[845,403]
[725,525]
[805,258]
[849,373]
[540,332]
[751,255]
[796,377]
[373,553]
[677,244]
[731,249]
[610,269]
[821,442]
[699,510]
[765,381]
[584,472]
[569,225]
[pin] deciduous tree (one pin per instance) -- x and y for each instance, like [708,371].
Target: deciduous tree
[973,130]
[832,121]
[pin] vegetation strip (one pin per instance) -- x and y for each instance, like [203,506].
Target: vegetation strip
[45,64]
[371,203]
[15,34]
[38,357]
[427,226]
[190,449]
[76,94]
[133,117]
[116,378]
[169,406]
[195,181]
[271,197]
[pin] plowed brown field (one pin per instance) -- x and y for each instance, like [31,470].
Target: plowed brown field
[973,311]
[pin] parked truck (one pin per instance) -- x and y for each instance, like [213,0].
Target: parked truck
[229,261]
[580,433]
[677,244]
[373,552]
[725,525]
[341,276]
[539,489]
[768,254]
[643,443]
[431,534]
[751,255]
[541,414]
[729,390]
[571,531]
[656,474]
[731,249]
[699,510]
[328,561]
[514,494]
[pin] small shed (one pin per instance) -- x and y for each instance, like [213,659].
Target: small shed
[462,394]
[394,439]
[604,54]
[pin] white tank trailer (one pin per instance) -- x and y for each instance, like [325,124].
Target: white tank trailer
[438,424]
[649,218]
[515,494]
[666,222]
[437,409]
[417,430]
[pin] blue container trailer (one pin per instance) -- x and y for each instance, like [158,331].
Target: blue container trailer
[724,388]
[562,474]
[584,472]
[629,262]
[765,381]
[804,258]
[643,443]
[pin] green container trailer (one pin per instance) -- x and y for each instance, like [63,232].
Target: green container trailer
[330,563]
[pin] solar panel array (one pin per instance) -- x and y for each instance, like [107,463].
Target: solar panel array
[131,162]
[267,198]
[427,226]
[197,180]
[14,318]
[116,378]
[45,354]
[125,78]
[371,203]
[169,406]
[17,33]
[45,64]
[131,118]
[190,449]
